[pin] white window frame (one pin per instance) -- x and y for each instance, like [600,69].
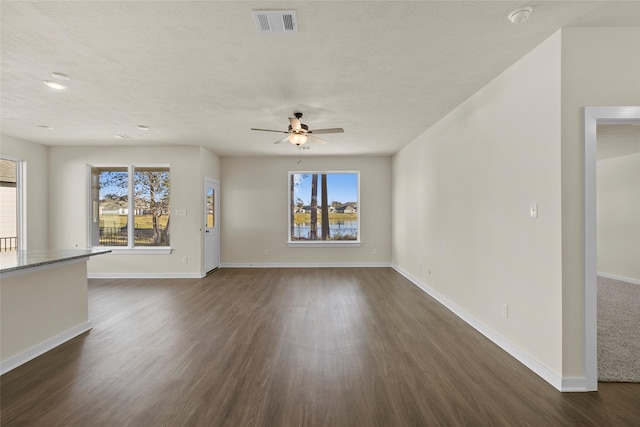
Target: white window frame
[321,243]
[130,248]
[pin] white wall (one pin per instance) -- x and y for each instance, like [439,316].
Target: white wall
[461,196]
[254,211]
[35,157]
[618,181]
[600,67]
[209,165]
[68,209]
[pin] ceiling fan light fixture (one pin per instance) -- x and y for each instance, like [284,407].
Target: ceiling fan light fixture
[297,139]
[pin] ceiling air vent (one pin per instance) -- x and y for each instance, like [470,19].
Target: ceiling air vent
[276,21]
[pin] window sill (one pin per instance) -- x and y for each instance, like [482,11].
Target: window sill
[116,250]
[331,244]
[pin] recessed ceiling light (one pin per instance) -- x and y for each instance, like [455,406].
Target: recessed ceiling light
[122,136]
[45,127]
[519,15]
[54,85]
[143,127]
[60,76]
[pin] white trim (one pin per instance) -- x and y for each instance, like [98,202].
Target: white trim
[562,384]
[23,357]
[574,384]
[621,278]
[21,214]
[302,265]
[137,250]
[592,117]
[325,244]
[145,275]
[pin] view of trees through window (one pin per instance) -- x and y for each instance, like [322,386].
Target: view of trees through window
[323,206]
[130,195]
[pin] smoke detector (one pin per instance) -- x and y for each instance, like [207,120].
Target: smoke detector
[520,15]
[276,21]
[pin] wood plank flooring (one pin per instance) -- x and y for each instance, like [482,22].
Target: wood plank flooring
[289,347]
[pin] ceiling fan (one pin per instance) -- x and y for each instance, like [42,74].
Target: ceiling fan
[298,133]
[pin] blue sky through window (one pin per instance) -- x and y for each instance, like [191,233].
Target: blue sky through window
[342,187]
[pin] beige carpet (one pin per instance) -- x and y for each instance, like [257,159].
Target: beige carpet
[618,331]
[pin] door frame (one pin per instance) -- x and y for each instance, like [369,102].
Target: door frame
[593,116]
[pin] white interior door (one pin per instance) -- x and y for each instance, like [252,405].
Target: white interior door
[212,224]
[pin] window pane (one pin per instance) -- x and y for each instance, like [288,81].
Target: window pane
[324,206]
[151,208]
[110,206]
[211,211]
[8,205]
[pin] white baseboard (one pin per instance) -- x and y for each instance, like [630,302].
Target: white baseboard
[23,357]
[570,384]
[303,265]
[560,383]
[621,278]
[145,275]
[230,265]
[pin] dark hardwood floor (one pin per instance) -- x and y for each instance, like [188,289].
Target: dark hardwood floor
[289,347]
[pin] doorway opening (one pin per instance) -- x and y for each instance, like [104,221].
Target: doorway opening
[593,117]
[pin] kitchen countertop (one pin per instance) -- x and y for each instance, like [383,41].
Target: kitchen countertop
[21,260]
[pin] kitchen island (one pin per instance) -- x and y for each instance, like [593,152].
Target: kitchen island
[43,302]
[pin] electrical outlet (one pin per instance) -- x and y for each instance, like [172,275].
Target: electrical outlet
[185,260]
[533,210]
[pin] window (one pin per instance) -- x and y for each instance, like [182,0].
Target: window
[324,208]
[9,204]
[123,195]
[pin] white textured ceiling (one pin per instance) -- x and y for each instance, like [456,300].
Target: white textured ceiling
[198,73]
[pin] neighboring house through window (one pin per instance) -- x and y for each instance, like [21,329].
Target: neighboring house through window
[127,195]
[9,205]
[324,208]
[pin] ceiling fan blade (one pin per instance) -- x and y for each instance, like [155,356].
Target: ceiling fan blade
[269,130]
[332,130]
[280,141]
[316,140]
[295,123]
